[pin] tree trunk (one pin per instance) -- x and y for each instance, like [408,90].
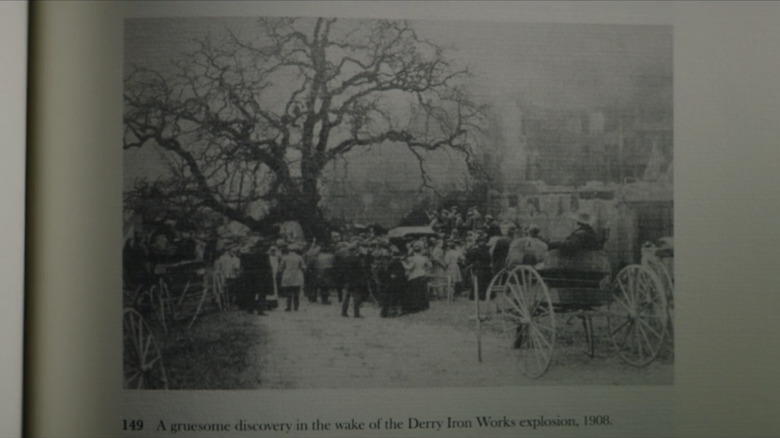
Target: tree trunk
[311,217]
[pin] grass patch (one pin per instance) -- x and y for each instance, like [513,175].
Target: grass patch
[213,354]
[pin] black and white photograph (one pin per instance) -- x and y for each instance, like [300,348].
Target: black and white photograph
[339,203]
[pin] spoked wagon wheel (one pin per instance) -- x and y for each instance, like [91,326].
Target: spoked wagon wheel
[142,360]
[668,287]
[496,289]
[637,315]
[666,281]
[159,297]
[497,283]
[528,320]
[192,298]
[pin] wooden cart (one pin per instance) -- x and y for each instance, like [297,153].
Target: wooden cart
[527,302]
[170,296]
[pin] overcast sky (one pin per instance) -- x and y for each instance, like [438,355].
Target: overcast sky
[546,64]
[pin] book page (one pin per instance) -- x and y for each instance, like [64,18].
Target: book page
[470,128]
[13,98]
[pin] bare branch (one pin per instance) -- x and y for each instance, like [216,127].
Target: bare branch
[236,105]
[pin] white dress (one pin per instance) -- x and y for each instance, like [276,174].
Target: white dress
[451,266]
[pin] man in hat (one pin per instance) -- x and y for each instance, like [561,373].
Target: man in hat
[256,280]
[583,238]
[456,220]
[491,227]
[393,283]
[442,222]
[323,273]
[341,252]
[478,259]
[474,219]
[434,220]
[499,247]
[355,268]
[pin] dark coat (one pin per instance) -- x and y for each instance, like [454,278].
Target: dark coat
[393,277]
[256,278]
[357,269]
[478,258]
[584,238]
[500,253]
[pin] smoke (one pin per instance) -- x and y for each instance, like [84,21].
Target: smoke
[557,66]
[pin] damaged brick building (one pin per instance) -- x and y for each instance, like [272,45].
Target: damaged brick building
[613,161]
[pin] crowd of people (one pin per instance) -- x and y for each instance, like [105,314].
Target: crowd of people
[401,274]
[352,269]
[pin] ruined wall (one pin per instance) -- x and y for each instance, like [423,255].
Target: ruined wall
[626,215]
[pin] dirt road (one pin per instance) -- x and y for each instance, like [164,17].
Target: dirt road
[317,348]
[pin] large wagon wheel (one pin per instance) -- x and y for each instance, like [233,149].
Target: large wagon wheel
[528,320]
[142,359]
[666,281]
[668,287]
[159,298]
[192,297]
[638,315]
[497,284]
[495,289]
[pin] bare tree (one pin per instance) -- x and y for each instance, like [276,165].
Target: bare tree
[254,121]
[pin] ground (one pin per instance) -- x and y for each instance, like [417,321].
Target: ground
[315,347]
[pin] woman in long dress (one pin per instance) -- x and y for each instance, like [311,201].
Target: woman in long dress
[453,257]
[439,268]
[417,266]
[292,268]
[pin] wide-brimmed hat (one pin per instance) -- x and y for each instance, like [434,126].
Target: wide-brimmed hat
[583,217]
